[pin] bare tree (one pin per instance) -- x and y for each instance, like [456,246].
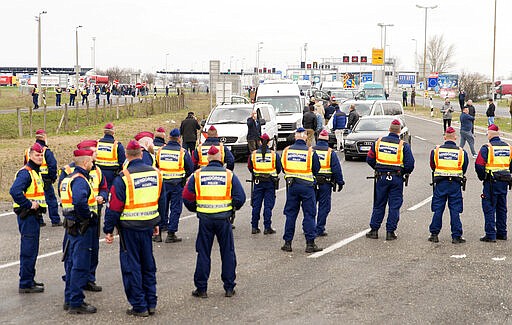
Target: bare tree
[114,73]
[439,55]
[473,85]
[149,77]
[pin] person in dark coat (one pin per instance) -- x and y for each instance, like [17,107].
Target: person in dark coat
[462,99]
[309,122]
[490,113]
[253,131]
[353,117]
[188,130]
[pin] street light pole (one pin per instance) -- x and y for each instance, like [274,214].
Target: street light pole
[94,54]
[415,57]
[38,19]
[165,79]
[425,50]
[493,89]
[381,25]
[77,69]
[305,59]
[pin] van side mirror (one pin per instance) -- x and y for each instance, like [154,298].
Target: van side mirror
[203,122]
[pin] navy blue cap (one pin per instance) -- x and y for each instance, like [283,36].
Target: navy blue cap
[175,133]
[300,130]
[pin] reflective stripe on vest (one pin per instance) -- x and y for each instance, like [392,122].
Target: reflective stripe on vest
[66,195]
[43,169]
[171,163]
[298,163]
[202,153]
[96,175]
[213,191]
[142,194]
[35,191]
[325,161]
[498,158]
[389,153]
[107,154]
[448,162]
[265,165]
[67,169]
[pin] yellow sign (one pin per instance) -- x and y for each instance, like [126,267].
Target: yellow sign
[377,56]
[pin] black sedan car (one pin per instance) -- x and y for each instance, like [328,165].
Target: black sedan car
[366,131]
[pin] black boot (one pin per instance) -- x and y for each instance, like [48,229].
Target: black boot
[373,234]
[172,238]
[287,247]
[311,247]
[434,238]
[390,235]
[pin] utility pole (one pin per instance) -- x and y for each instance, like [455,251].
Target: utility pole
[425,51]
[94,54]
[383,46]
[77,68]
[38,19]
[493,88]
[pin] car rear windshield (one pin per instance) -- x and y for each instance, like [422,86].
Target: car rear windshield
[392,108]
[231,115]
[283,104]
[372,125]
[362,109]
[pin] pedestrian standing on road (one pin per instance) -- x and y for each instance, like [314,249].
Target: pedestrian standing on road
[319,112]
[265,166]
[97,91]
[214,193]
[79,207]
[111,154]
[490,113]
[200,157]
[35,97]
[108,92]
[166,90]
[58,95]
[188,130]
[329,177]
[159,140]
[392,159]
[253,131]
[331,109]
[449,164]
[72,95]
[466,126]
[300,166]
[309,122]
[339,122]
[85,93]
[175,166]
[413,97]
[447,110]
[133,210]
[404,97]
[353,116]
[48,171]
[29,202]
[462,99]
[493,168]
[472,112]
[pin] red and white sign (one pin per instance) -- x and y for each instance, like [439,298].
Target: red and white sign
[116,82]
[144,84]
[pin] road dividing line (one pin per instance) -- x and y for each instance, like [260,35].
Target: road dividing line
[6,214]
[419,205]
[420,138]
[339,244]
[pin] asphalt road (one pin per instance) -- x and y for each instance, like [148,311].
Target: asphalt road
[354,280]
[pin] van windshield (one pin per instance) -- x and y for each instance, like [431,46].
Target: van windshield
[374,93]
[283,104]
[230,115]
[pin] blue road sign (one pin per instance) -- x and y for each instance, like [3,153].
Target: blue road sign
[305,77]
[432,82]
[366,77]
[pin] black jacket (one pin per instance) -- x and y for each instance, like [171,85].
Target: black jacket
[490,110]
[253,129]
[188,129]
[353,117]
[309,120]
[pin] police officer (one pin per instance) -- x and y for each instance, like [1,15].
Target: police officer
[72,95]
[300,165]
[159,140]
[391,158]
[133,209]
[449,163]
[214,193]
[58,95]
[97,90]
[175,166]
[493,167]
[199,157]
[328,177]
[265,166]
[108,91]
[79,208]
[110,155]
[85,93]
[28,195]
[48,171]
[145,140]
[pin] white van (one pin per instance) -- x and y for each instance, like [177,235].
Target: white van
[285,97]
[230,120]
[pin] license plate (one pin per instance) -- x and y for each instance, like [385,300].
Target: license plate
[364,148]
[281,139]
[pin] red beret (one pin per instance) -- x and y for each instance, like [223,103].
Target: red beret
[395,122]
[40,131]
[82,153]
[87,144]
[493,127]
[144,134]
[264,136]
[133,145]
[450,130]
[212,128]
[109,126]
[324,133]
[213,150]
[160,129]
[37,147]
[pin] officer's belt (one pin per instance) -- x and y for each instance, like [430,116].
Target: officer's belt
[391,173]
[263,178]
[323,178]
[438,179]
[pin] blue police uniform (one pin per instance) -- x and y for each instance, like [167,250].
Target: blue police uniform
[158,142]
[449,165]
[300,192]
[78,263]
[390,184]
[264,188]
[28,227]
[229,159]
[49,179]
[331,171]
[173,187]
[214,224]
[494,196]
[147,158]
[138,265]
[110,172]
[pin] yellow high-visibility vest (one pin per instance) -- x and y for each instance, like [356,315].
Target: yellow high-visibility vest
[325,161]
[498,158]
[265,165]
[448,162]
[171,163]
[202,153]
[213,191]
[142,194]
[35,191]
[389,153]
[107,154]
[66,194]
[298,163]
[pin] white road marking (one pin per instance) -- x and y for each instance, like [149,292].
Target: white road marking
[420,138]
[339,244]
[459,256]
[6,214]
[499,258]
[419,205]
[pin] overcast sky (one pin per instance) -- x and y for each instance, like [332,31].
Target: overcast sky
[138,34]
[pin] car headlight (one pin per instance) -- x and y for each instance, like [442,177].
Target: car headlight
[350,142]
[242,138]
